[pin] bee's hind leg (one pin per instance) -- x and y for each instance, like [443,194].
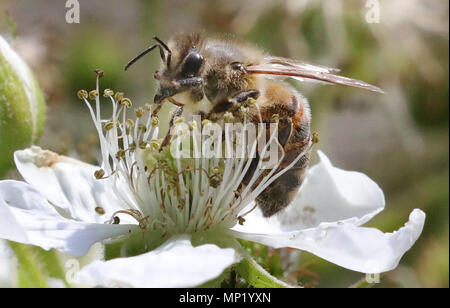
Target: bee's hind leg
[233,103]
[244,96]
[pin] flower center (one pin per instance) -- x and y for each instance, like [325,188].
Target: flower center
[161,187]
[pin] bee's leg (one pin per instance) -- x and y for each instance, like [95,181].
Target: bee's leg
[281,192]
[284,130]
[168,136]
[234,102]
[191,82]
[284,133]
[244,96]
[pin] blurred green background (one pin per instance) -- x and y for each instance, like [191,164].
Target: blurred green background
[399,139]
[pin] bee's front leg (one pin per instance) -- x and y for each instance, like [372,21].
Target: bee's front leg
[190,82]
[177,112]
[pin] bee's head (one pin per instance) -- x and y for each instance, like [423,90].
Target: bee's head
[182,65]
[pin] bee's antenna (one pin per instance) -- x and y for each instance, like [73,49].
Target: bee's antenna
[162,46]
[146,51]
[169,52]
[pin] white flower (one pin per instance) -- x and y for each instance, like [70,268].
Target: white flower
[185,214]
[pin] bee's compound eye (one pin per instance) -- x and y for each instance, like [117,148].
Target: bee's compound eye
[192,63]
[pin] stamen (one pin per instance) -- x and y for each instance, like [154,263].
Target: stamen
[178,194]
[137,215]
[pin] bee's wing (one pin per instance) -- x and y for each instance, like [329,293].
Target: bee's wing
[303,71]
[299,64]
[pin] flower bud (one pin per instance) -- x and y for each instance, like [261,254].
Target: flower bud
[22,106]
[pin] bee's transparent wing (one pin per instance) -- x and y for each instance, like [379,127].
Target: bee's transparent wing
[299,64]
[303,71]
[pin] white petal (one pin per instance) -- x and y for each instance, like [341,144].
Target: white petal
[330,194]
[30,219]
[366,250]
[174,264]
[68,183]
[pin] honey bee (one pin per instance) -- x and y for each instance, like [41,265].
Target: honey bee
[212,76]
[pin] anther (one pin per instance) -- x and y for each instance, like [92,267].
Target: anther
[241,220]
[155,121]
[215,179]
[118,96]
[143,145]
[132,147]
[192,125]
[120,154]
[244,110]
[139,112]
[129,126]
[129,123]
[82,94]
[108,125]
[99,174]
[126,102]
[93,94]
[142,128]
[155,144]
[100,73]
[315,137]
[228,117]
[108,93]
[100,210]
[178,120]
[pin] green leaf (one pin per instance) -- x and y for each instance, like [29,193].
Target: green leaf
[216,282]
[50,263]
[257,276]
[134,244]
[30,271]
